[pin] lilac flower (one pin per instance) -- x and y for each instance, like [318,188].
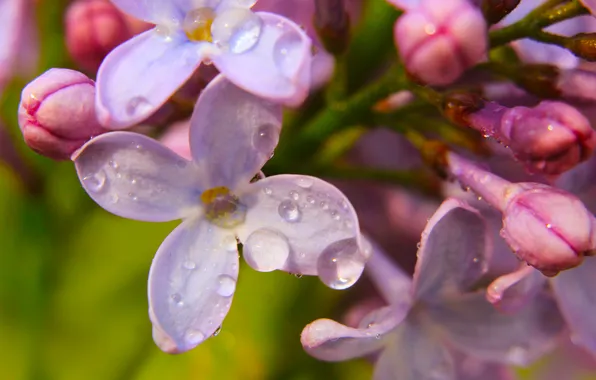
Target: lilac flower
[549,138]
[18,40]
[437,310]
[546,227]
[263,53]
[433,38]
[57,113]
[295,223]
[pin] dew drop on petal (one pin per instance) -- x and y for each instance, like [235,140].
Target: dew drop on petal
[190,265]
[95,182]
[138,106]
[267,191]
[236,29]
[230,244]
[226,285]
[194,337]
[289,211]
[266,250]
[294,195]
[310,199]
[341,264]
[304,182]
[265,138]
[286,53]
[517,355]
[177,298]
[217,331]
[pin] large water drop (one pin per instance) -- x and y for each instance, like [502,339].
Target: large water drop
[266,250]
[236,29]
[341,264]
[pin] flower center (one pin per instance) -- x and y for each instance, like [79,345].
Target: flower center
[223,208]
[197,24]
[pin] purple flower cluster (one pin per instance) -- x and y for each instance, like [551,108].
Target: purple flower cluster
[499,277]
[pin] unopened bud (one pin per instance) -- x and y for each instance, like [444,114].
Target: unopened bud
[539,79]
[583,45]
[495,10]
[546,227]
[93,29]
[434,40]
[57,113]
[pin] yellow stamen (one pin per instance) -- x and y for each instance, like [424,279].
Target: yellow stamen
[197,24]
[209,196]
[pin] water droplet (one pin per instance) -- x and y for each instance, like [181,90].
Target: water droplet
[113,164]
[294,195]
[132,196]
[324,205]
[190,265]
[340,264]
[114,198]
[266,250]
[310,199]
[549,226]
[298,275]
[194,337]
[217,331]
[267,191]
[304,182]
[177,298]
[287,53]
[230,244]
[476,260]
[517,355]
[378,336]
[344,205]
[479,198]
[288,210]
[265,138]
[227,285]
[164,31]
[95,182]
[418,245]
[236,29]
[138,106]
[133,181]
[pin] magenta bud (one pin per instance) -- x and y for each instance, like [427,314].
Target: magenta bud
[551,138]
[57,113]
[93,29]
[546,227]
[434,40]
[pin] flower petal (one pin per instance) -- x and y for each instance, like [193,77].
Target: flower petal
[414,355]
[137,77]
[277,67]
[191,283]
[304,225]
[512,292]
[233,133]
[328,340]
[477,328]
[574,290]
[453,252]
[12,16]
[136,177]
[160,11]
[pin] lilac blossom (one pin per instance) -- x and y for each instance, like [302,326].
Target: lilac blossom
[263,53]
[57,113]
[549,138]
[438,310]
[433,38]
[294,223]
[546,227]
[18,40]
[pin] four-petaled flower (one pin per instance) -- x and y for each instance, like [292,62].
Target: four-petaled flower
[263,53]
[295,223]
[438,309]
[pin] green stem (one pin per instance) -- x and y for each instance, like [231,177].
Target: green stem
[549,38]
[536,20]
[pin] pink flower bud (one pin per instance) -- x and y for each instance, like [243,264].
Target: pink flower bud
[93,29]
[552,137]
[57,113]
[546,227]
[439,40]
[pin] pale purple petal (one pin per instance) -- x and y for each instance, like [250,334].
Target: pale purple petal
[574,290]
[331,341]
[304,225]
[277,67]
[471,368]
[513,291]
[477,328]
[453,252]
[191,283]
[161,11]
[12,14]
[415,354]
[137,77]
[136,177]
[233,133]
